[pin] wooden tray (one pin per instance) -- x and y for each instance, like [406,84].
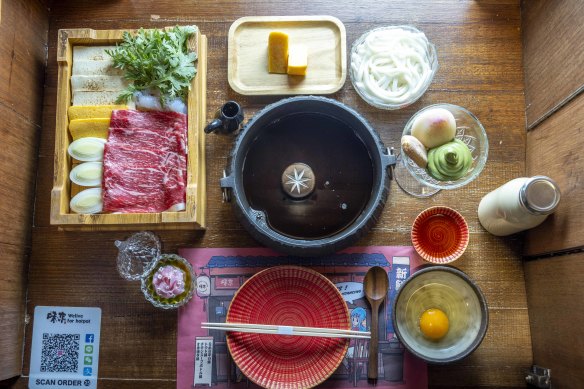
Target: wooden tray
[194,215]
[326,42]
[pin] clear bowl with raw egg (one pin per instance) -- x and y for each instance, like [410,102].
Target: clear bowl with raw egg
[440,315]
[466,128]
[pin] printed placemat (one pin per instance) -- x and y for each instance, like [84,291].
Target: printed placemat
[202,355]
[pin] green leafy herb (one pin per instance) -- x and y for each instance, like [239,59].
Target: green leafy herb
[154,59]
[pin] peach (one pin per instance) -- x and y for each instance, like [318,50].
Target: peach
[434,127]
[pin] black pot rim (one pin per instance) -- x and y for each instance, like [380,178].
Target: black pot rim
[254,221]
[482,301]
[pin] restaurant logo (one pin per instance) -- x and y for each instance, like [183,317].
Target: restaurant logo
[203,286]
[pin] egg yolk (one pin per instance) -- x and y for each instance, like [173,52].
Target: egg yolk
[434,323]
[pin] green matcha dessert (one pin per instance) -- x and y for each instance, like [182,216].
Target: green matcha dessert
[450,161]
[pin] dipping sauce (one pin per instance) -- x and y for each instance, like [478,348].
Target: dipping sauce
[439,235]
[434,323]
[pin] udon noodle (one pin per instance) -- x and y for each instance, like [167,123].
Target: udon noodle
[391,66]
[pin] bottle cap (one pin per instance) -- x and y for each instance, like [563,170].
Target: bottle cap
[540,195]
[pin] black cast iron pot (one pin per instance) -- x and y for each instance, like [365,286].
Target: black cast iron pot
[308,176]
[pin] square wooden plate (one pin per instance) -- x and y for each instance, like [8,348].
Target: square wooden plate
[326,42]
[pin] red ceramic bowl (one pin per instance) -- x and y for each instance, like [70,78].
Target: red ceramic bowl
[440,235]
[291,296]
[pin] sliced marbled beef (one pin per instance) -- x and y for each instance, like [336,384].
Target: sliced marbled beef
[155,120]
[145,162]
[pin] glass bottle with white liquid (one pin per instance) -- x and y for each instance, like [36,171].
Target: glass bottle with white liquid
[518,205]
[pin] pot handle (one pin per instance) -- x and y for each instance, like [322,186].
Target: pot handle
[388,160]
[227,183]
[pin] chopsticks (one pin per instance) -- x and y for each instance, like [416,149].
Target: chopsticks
[287,330]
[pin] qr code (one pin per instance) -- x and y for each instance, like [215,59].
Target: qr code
[60,353]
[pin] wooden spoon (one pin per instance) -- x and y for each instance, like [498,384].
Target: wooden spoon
[376,285]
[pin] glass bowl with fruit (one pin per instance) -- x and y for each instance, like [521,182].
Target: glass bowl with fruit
[443,146]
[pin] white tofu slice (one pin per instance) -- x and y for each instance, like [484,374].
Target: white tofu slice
[98,68]
[97,83]
[92,53]
[98,98]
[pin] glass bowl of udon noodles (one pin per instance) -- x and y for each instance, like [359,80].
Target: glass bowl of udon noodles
[392,66]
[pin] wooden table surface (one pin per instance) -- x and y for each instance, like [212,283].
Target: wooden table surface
[479,50]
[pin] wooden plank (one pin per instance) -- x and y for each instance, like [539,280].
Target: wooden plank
[13,262]
[22,59]
[23,56]
[113,383]
[199,166]
[555,295]
[470,12]
[553,53]
[18,169]
[508,330]
[554,149]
